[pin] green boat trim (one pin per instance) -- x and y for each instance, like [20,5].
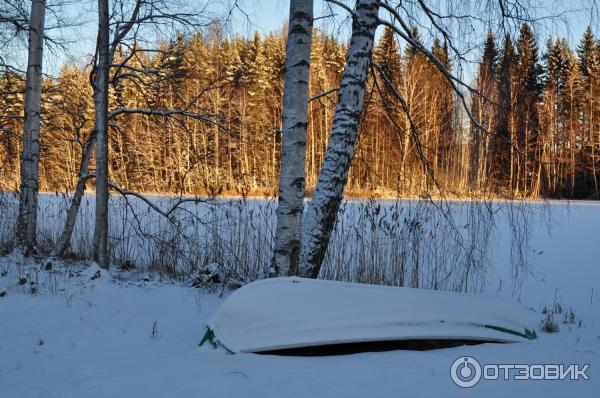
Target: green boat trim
[529,334]
[209,336]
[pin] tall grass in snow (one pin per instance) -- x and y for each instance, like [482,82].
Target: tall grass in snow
[414,243]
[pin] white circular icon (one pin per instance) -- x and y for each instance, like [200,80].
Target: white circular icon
[465,372]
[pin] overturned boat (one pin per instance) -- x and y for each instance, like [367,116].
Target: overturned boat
[282,315]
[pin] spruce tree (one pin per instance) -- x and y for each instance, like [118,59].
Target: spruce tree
[411,50]
[585,50]
[489,63]
[528,67]
[484,108]
[444,109]
[506,76]
[387,55]
[528,95]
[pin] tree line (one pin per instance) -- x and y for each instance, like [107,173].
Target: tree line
[539,114]
[540,117]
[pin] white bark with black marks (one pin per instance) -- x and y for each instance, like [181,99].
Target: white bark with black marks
[323,208]
[101,121]
[293,147]
[30,156]
[65,238]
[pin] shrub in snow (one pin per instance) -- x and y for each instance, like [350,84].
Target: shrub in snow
[569,317]
[211,274]
[94,272]
[553,316]
[549,325]
[127,265]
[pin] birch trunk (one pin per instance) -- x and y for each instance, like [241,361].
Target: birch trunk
[293,148]
[101,119]
[323,208]
[30,157]
[65,238]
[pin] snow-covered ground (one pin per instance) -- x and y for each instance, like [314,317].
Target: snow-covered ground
[111,336]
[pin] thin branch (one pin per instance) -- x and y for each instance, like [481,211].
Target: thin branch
[324,94]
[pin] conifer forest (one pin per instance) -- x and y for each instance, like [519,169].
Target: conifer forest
[202,115]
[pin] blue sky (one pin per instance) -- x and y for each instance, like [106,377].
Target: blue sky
[269,15]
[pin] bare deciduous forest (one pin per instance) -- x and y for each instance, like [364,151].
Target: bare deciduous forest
[202,115]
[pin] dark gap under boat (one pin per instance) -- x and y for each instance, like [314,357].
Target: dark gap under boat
[370,346]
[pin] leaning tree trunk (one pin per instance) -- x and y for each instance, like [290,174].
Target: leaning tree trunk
[293,148]
[101,116]
[65,238]
[323,208]
[30,157]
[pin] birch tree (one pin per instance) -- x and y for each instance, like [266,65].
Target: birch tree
[322,210]
[101,117]
[130,19]
[293,148]
[30,156]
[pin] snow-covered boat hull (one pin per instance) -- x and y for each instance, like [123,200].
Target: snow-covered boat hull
[287,313]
